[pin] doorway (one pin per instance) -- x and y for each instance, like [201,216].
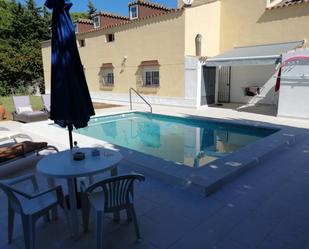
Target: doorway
[208,85]
[224,85]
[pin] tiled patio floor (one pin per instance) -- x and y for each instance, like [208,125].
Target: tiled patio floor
[265,208]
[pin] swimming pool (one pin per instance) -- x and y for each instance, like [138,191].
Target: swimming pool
[187,141]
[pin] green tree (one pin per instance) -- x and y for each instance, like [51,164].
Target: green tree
[30,5]
[22,28]
[46,15]
[91,9]
[5,20]
[78,15]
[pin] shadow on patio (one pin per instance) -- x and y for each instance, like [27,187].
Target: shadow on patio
[269,110]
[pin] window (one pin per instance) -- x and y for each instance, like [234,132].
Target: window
[110,37]
[133,12]
[108,77]
[76,27]
[81,43]
[96,22]
[152,77]
[272,3]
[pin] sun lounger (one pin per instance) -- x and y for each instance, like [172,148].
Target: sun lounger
[23,149]
[24,112]
[16,157]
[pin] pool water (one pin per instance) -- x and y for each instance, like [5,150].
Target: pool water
[187,141]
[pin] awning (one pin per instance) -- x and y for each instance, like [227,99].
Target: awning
[254,55]
[151,63]
[107,66]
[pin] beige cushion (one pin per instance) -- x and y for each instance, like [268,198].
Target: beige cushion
[21,109]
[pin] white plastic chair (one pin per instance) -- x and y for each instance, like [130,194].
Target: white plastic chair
[117,195]
[30,206]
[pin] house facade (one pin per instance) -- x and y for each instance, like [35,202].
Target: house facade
[163,52]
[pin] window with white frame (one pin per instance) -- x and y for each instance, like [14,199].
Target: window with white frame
[76,27]
[110,37]
[133,12]
[96,22]
[81,43]
[108,77]
[151,77]
[272,3]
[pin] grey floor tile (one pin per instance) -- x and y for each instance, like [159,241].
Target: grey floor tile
[165,230]
[206,235]
[287,234]
[251,231]
[282,243]
[228,244]
[265,208]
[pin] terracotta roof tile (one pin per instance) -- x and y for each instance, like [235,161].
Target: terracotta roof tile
[286,3]
[153,5]
[107,65]
[149,63]
[134,20]
[110,15]
[82,20]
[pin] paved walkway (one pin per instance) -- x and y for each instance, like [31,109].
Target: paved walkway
[228,111]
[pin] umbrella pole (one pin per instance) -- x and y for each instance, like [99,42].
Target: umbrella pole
[70,128]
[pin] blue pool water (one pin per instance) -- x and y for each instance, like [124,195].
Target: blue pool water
[188,141]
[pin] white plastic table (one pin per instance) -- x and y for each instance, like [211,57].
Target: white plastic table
[62,165]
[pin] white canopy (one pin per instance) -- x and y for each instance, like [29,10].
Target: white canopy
[254,55]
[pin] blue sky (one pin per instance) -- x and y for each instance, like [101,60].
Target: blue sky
[114,6]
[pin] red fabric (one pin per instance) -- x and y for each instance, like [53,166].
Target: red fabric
[285,63]
[295,58]
[20,149]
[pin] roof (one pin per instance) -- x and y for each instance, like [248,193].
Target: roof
[267,54]
[107,66]
[286,3]
[128,21]
[110,15]
[149,63]
[149,4]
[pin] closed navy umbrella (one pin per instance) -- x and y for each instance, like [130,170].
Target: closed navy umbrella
[70,99]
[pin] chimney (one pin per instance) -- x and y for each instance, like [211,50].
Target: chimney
[198,45]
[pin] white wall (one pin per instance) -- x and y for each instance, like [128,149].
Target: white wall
[244,76]
[192,78]
[204,20]
[294,89]
[152,99]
